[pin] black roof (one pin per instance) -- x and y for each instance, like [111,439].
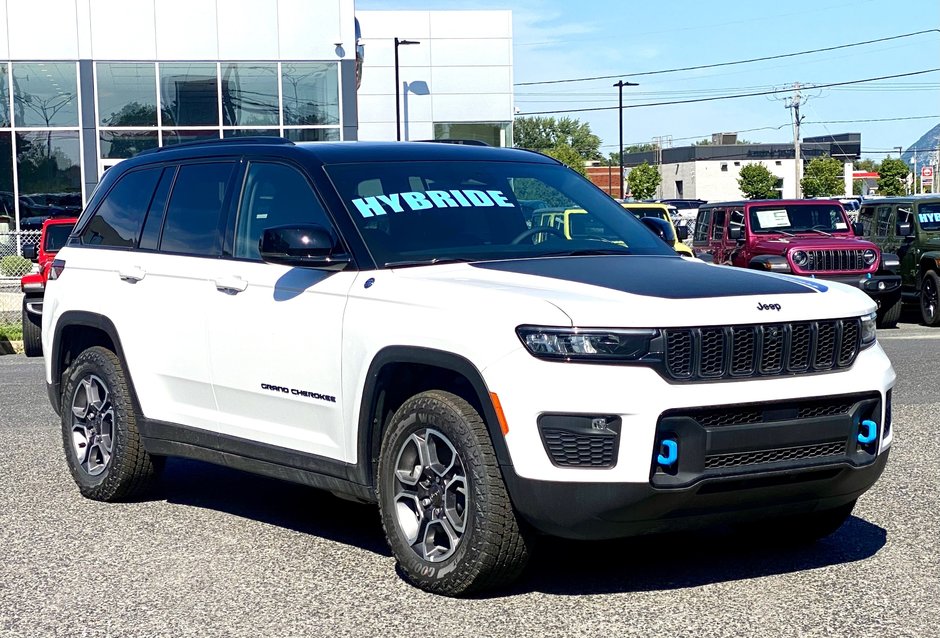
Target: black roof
[341,152]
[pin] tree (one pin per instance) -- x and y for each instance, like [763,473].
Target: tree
[568,156]
[707,142]
[892,175]
[867,165]
[823,177]
[757,182]
[643,180]
[546,133]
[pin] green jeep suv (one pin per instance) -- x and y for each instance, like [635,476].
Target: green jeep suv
[910,228]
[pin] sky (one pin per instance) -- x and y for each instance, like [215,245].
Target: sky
[563,39]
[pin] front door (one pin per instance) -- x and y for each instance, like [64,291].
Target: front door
[275,332]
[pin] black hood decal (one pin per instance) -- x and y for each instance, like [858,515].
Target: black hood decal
[654,276]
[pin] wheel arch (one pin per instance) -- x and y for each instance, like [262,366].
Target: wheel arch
[76,331]
[399,372]
[929,260]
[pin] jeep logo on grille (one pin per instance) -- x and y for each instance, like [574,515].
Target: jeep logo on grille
[768,306]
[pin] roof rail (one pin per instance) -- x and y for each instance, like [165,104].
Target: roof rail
[457,141]
[246,139]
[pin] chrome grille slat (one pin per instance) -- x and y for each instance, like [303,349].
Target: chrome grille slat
[722,352]
[834,261]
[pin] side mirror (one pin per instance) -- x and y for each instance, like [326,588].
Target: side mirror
[736,233]
[661,228]
[682,233]
[31,252]
[302,247]
[858,228]
[903,230]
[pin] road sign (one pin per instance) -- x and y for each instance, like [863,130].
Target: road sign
[926,175]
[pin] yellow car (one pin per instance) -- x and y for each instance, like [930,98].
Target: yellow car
[659,211]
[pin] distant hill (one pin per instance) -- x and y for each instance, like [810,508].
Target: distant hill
[926,145]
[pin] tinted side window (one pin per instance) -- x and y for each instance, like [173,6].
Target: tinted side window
[882,221]
[865,216]
[150,235]
[701,224]
[718,227]
[195,209]
[117,221]
[274,195]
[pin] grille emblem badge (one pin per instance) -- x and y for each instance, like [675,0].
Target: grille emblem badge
[769,306]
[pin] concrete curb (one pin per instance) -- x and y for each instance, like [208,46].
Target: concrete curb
[10,347]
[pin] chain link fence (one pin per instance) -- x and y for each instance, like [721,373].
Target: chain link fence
[13,266]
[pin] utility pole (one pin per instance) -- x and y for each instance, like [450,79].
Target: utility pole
[794,103]
[620,84]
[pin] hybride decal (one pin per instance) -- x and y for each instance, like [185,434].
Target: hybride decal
[416,200]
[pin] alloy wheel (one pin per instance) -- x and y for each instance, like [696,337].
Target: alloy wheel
[92,425]
[430,495]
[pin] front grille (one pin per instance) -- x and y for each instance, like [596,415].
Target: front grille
[766,412]
[721,461]
[720,352]
[571,449]
[834,261]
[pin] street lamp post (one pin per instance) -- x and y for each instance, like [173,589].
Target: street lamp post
[399,43]
[620,84]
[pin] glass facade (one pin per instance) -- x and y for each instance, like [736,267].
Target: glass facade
[492,133]
[40,147]
[140,106]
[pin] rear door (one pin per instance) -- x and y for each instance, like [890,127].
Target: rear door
[275,332]
[716,239]
[701,231]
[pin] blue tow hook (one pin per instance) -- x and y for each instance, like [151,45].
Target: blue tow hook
[672,453]
[870,429]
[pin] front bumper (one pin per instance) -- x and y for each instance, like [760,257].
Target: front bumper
[605,510]
[875,286]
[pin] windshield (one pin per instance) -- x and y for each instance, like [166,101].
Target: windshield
[798,218]
[640,212]
[928,216]
[56,236]
[425,212]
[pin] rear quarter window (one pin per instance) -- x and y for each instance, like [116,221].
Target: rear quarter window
[117,220]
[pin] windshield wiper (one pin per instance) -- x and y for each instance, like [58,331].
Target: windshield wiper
[428,262]
[586,252]
[821,232]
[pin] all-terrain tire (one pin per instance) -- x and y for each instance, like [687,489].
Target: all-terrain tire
[889,313]
[103,449]
[32,333]
[930,298]
[491,551]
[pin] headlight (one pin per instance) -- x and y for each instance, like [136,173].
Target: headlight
[589,345]
[869,334]
[800,258]
[869,256]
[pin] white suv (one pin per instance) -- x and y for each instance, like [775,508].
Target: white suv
[382,321]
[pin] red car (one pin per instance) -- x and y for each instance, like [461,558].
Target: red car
[55,232]
[807,237]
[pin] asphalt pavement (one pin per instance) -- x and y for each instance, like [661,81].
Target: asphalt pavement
[220,553]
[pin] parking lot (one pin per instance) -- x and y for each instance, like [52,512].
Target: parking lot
[219,553]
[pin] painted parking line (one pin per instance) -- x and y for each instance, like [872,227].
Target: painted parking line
[911,337]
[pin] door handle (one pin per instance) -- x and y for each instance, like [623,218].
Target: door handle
[230,285]
[132,275]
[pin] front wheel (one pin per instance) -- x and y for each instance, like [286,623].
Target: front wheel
[445,509]
[32,333]
[929,298]
[889,313]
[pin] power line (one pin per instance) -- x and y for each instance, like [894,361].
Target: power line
[731,97]
[736,62]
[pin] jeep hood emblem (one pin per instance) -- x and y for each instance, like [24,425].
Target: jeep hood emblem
[768,306]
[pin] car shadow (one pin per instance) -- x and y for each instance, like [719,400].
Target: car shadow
[683,560]
[288,505]
[557,566]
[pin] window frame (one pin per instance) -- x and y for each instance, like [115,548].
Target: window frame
[80,232]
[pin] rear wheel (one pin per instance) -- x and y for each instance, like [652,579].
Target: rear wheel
[99,430]
[445,510]
[889,313]
[32,333]
[929,298]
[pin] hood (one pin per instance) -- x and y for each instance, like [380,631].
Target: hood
[780,245]
[638,291]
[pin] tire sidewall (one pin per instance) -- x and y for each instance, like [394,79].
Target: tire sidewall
[93,361]
[412,417]
[934,319]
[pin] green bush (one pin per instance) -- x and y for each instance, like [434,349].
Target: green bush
[14,266]
[11,332]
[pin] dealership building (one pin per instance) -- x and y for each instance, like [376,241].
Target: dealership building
[109,78]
